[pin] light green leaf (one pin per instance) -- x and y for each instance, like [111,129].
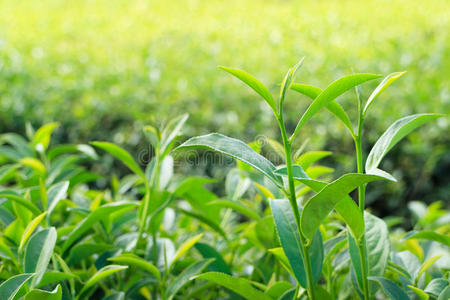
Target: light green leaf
[205,220]
[34,164]
[100,275]
[420,293]
[13,196]
[427,264]
[10,287]
[387,81]
[333,91]
[186,246]
[290,240]
[237,207]
[320,205]
[41,138]
[255,84]
[393,291]
[30,228]
[38,253]
[286,84]
[333,106]
[56,193]
[121,155]
[429,235]
[240,286]
[282,258]
[134,260]
[393,135]
[307,159]
[234,148]
[171,131]
[277,289]
[185,277]
[95,216]
[36,294]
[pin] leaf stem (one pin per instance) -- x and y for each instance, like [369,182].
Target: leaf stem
[361,202]
[294,205]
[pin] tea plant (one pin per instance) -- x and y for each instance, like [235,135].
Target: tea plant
[73,227]
[298,226]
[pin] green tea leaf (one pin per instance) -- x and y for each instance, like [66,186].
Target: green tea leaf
[436,286]
[134,260]
[10,287]
[333,106]
[377,246]
[427,264]
[186,246]
[393,291]
[205,220]
[36,294]
[219,264]
[13,196]
[445,294]
[30,228]
[34,164]
[429,235]
[240,286]
[171,131]
[237,207]
[420,293]
[41,138]
[121,155]
[255,84]
[286,84]
[100,275]
[81,251]
[38,253]
[290,240]
[94,217]
[54,277]
[334,90]
[393,135]
[56,193]
[234,148]
[307,159]
[387,81]
[319,206]
[278,289]
[185,277]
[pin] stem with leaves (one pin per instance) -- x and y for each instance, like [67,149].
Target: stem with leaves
[361,197]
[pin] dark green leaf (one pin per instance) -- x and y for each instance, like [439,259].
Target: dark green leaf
[240,286]
[234,148]
[393,291]
[10,287]
[38,253]
[186,276]
[219,264]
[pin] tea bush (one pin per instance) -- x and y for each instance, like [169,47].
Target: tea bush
[104,68]
[278,232]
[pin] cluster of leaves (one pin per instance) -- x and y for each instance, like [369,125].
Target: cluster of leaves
[154,234]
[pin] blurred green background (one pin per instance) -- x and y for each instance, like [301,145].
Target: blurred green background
[104,68]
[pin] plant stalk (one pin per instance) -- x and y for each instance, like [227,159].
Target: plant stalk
[361,202]
[294,206]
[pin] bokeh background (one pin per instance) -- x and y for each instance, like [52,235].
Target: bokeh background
[103,69]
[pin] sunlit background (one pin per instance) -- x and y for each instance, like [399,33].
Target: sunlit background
[103,69]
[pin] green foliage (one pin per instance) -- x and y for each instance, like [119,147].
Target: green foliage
[73,228]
